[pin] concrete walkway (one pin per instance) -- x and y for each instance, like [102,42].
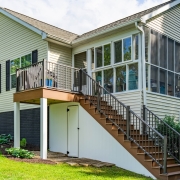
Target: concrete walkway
[62,158]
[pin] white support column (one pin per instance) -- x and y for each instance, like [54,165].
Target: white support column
[43,128]
[16,124]
[89,62]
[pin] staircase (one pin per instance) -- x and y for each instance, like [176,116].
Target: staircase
[138,137]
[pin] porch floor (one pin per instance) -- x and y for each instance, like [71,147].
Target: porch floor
[62,158]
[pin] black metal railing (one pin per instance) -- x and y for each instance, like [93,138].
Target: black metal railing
[148,139]
[45,74]
[173,137]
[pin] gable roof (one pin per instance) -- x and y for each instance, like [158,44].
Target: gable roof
[52,31]
[69,37]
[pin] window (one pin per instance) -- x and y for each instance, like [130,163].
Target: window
[15,64]
[108,80]
[107,54]
[121,79]
[99,57]
[18,63]
[133,76]
[99,77]
[136,46]
[146,31]
[118,51]
[127,48]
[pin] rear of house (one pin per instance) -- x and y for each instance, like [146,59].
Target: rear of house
[95,112]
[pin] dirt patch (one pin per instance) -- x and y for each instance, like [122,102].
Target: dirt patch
[4,146]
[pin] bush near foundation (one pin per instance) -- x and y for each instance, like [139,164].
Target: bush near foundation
[5,139]
[20,153]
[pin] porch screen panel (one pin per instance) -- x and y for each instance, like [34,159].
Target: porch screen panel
[107,54]
[99,77]
[154,47]
[163,81]
[146,30]
[154,79]
[177,57]
[177,85]
[121,79]
[170,54]
[170,83]
[108,80]
[133,76]
[163,51]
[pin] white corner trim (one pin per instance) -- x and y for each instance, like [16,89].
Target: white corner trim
[36,30]
[158,11]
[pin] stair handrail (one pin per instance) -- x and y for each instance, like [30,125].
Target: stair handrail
[104,95]
[155,121]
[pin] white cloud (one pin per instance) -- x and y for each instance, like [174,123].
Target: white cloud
[79,16]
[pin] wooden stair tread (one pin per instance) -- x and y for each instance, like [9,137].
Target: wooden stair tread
[149,160]
[168,165]
[171,173]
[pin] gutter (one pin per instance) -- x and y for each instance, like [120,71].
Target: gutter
[143,60]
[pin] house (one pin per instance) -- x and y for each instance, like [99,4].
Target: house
[96,111]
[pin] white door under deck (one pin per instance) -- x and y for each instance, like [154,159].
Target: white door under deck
[72,131]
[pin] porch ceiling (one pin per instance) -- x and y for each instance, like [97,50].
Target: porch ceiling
[53,96]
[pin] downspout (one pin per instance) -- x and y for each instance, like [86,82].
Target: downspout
[143,60]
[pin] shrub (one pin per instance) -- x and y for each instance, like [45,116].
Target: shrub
[5,139]
[23,143]
[20,153]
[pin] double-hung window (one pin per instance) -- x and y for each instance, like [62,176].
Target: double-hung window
[21,62]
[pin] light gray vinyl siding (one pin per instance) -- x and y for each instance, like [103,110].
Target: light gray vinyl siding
[16,41]
[132,99]
[60,54]
[167,23]
[163,105]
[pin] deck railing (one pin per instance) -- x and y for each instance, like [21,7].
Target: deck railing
[45,74]
[173,137]
[148,139]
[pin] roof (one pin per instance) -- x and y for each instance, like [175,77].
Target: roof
[122,21]
[64,35]
[69,37]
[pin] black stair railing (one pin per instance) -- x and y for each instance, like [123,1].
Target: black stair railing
[148,140]
[173,137]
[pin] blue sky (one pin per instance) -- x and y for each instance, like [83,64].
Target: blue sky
[79,16]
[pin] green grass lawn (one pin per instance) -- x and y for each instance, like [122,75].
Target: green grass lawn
[13,170]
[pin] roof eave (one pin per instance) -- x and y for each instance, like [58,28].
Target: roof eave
[36,30]
[76,41]
[159,11]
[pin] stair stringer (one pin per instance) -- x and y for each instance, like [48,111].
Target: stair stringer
[136,164]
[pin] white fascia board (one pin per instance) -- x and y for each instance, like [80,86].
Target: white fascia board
[105,31]
[36,30]
[158,11]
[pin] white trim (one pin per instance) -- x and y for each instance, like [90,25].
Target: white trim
[36,30]
[124,92]
[158,11]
